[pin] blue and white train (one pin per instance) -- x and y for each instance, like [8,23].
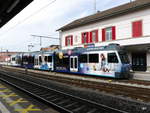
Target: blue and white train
[106,61]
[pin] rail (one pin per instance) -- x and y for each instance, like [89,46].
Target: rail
[62,101]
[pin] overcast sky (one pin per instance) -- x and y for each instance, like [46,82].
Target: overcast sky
[44,17]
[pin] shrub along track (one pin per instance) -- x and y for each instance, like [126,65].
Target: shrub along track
[140,94]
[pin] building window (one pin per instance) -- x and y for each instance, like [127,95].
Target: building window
[69,40]
[85,37]
[94,36]
[109,34]
[137,29]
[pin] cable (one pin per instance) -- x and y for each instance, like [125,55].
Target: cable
[36,12]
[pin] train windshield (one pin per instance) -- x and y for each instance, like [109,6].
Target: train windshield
[124,57]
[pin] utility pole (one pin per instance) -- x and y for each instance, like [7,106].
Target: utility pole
[95,10]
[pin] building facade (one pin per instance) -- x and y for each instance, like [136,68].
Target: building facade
[127,25]
[50,48]
[5,57]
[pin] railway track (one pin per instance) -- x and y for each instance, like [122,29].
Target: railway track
[64,102]
[136,93]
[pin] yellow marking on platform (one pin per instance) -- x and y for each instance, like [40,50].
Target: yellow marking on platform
[9,95]
[5,90]
[109,81]
[2,86]
[21,100]
[29,108]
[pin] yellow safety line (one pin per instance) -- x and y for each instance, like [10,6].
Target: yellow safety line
[26,110]
[9,95]
[20,100]
[5,90]
[2,86]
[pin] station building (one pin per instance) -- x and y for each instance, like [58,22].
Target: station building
[127,25]
[6,56]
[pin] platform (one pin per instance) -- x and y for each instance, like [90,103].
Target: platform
[141,75]
[11,102]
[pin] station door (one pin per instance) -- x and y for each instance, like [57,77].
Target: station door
[139,62]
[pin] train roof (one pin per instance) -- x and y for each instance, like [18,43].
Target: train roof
[110,47]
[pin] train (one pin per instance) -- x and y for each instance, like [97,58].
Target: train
[104,61]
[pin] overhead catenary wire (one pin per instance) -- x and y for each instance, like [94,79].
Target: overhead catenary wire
[45,36]
[41,36]
[36,12]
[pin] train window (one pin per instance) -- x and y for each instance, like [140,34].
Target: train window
[40,59]
[66,61]
[83,58]
[123,57]
[25,59]
[13,59]
[46,58]
[31,59]
[49,58]
[71,62]
[76,62]
[18,60]
[112,58]
[93,58]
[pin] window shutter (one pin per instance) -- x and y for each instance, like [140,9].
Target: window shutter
[103,35]
[82,37]
[113,33]
[66,40]
[137,29]
[87,37]
[91,37]
[71,40]
[96,35]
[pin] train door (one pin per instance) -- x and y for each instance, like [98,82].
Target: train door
[74,63]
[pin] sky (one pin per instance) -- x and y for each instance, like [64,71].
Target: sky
[44,17]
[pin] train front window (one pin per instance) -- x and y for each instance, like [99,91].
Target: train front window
[112,58]
[124,57]
[93,58]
